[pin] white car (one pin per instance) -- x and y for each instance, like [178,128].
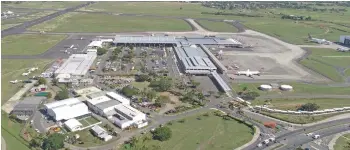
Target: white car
[310,134]
[272,139]
[316,136]
[259,145]
[266,141]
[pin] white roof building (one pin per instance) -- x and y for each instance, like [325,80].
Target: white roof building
[118,97]
[95,44]
[66,109]
[77,64]
[101,133]
[64,78]
[73,125]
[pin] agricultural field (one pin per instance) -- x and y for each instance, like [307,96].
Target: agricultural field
[326,62]
[44,5]
[28,44]
[217,26]
[342,142]
[85,22]
[294,104]
[203,132]
[299,119]
[298,88]
[12,69]
[10,131]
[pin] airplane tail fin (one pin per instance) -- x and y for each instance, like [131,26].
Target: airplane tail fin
[309,36]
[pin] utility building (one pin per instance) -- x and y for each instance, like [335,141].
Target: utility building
[345,39]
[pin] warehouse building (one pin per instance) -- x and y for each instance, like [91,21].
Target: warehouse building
[66,109]
[116,108]
[75,67]
[345,39]
[27,107]
[73,125]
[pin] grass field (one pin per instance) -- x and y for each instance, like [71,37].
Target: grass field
[342,142]
[92,120]
[210,132]
[298,88]
[28,44]
[10,131]
[25,18]
[46,5]
[299,119]
[12,69]
[217,26]
[84,22]
[140,85]
[6,26]
[347,72]
[294,104]
[320,62]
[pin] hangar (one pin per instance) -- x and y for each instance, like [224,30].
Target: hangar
[66,109]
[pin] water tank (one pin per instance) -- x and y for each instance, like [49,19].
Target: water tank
[286,87]
[265,87]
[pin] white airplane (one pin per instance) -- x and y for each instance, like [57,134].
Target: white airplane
[25,74]
[14,82]
[319,41]
[33,69]
[343,49]
[248,73]
[72,46]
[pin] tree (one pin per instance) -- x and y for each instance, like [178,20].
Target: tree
[49,95]
[54,81]
[162,134]
[42,81]
[162,85]
[299,148]
[62,95]
[53,142]
[129,91]
[194,83]
[142,78]
[309,107]
[101,51]
[117,51]
[35,142]
[151,94]
[113,57]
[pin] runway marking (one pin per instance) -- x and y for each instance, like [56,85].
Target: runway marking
[336,56]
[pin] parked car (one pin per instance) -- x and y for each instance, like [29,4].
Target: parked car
[316,136]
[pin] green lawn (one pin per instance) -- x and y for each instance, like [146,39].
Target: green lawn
[207,133]
[84,123]
[89,139]
[217,26]
[6,26]
[299,119]
[347,72]
[28,44]
[342,142]
[92,120]
[10,131]
[320,61]
[12,69]
[294,104]
[46,5]
[298,88]
[26,18]
[140,85]
[85,22]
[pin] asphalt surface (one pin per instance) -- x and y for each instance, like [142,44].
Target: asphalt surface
[22,27]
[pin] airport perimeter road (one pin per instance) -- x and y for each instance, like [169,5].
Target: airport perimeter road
[22,27]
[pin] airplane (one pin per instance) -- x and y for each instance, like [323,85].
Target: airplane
[248,73]
[25,74]
[343,49]
[33,69]
[319,41]
[14,82]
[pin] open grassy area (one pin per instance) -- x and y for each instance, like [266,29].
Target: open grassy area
[6,26]
[217,26]
[294,104]
[10,131]
[210,132]
[298,88]
[89,139]
[85,22]
[92,120]
[28,44]
[12,69]
[299,119]
[46,4]
[25,18]
[140,85]
[342,142]
[324,62]
[347,72]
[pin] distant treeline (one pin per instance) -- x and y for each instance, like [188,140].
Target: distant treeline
[231,14]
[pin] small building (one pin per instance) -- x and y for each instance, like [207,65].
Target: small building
[95,44]
[286,88]
[101,133]
[40,88]
[125,116]
[27,107]
[73,125]
[344,39]
[265,87]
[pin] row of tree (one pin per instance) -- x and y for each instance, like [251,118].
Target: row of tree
[292,17]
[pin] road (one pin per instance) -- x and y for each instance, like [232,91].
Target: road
[22,27]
